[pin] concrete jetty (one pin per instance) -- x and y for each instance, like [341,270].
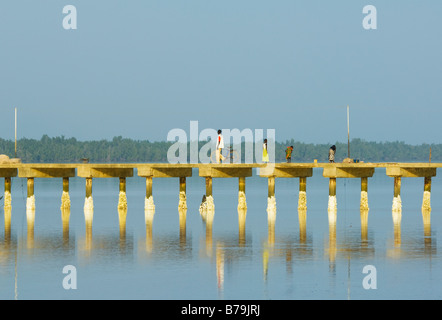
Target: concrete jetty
[271,171]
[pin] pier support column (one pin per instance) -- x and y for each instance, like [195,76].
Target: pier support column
[149,206]
[182,204]
[242,203]
[426,203]
[364,208]
[242,210]
[271,200]
[122,199]
[65,206]
[7,208]
[302,209]
[332,203]
[209,206]
[30,202]
[122,208]
[426,206]
[7,196]
[397,203]
[302,200]
[88,205]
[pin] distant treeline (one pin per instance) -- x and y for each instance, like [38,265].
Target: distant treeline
[124,150]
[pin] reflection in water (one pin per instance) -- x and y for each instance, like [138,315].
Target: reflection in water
[220,268]
[30,219]
[364,224]
[226,254]
[149,213]
[242,213]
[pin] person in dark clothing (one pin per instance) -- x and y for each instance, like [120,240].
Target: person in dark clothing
[288,154]
[331,154]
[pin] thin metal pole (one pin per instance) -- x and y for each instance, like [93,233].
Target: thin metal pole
[15,132]
[348,129]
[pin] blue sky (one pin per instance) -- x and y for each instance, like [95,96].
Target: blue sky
[141,68]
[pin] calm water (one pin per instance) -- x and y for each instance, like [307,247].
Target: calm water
[164,261]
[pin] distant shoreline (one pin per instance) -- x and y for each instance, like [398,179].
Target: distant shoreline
[119,149]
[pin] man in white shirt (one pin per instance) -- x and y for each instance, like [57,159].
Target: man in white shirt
[219,147]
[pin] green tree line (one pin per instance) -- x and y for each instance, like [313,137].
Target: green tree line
[124,150]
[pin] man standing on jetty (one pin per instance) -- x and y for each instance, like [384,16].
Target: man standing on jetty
[219,147]
[288,154]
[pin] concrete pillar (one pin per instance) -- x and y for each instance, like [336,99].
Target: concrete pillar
[397,202]
[302,199]
[65,206]
[88,206]
[7,208]
[426,203]
[122,199]
[30,202]
[332,202]
[426,207]
[88,187]
[149,205]
[208,187]
[209,205]
[242,203]
[65,200]
[302,209]
[7,197]
[364,208]
[271,200]
[182,204]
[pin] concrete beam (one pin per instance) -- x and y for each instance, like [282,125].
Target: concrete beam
[226,170]
[410,172]
[46,172]
[347,171]
[285,170]
[104,171]
[165,171]
[8,172]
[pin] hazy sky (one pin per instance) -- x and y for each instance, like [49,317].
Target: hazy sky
[141,68]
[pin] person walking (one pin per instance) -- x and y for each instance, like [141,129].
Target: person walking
[288,154]
[219,147]
[265,153]
[331,154]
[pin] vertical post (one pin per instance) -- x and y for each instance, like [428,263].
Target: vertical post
[208,187]
[332,203]
[348,128]
[149,187]
[242,184]
[122,200]
[7,195]
[364,193]
[7,208]
[123,184]
[271,189]
[30,187]
[183,184]
[364,208]
[397,187]
[302,209]
[88,188]
[426,206]
[182,205]
[65,208]
[332,187]
[66,184]
[242,209]
[149,206]
[15,132]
